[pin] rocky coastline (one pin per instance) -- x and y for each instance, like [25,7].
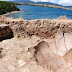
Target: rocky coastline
[43,5]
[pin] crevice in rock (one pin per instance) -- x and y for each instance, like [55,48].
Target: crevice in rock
[1,53]
[56,46]
[64,42]
[50,49]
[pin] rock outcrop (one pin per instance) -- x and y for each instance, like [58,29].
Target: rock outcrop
[55,53]
[51,46]
[5,32]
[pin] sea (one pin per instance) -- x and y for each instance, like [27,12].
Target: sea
[36,12]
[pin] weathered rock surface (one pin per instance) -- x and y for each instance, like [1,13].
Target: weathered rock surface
[54,53]
[44,45]
[5,32]
[43,28]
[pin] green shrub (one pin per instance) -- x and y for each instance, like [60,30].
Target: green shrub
[7,7]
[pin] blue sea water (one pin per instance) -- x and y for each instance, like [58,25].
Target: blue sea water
[35,12]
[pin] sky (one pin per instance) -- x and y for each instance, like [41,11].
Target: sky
[61,2]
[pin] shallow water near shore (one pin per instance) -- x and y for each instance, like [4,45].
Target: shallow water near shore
[35,12]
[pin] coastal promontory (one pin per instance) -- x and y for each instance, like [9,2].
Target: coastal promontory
[7,7]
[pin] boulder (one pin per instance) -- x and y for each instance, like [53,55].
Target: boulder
[5,32]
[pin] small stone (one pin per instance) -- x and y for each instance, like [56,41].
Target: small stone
[29,55]
[26,70]
[11,67]
[21,63]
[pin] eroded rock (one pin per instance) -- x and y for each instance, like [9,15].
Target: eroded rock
[11,68]
[51,48]
[5,32]
[1,53]
[26,70]
[55,53]
[21,63]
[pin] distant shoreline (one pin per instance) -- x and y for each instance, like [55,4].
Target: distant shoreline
[43,5]
[8,13]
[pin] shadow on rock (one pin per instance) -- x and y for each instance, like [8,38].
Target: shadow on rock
[5,32]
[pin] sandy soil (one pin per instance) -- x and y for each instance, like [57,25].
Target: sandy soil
[10,13]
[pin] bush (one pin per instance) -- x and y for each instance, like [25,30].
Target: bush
[7,7]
